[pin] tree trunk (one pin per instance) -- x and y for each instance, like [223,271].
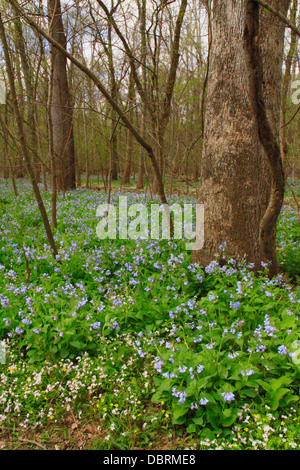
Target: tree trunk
[129,150]
[61,105]
[29,88]
[142,20]
[286,83]
[235,175]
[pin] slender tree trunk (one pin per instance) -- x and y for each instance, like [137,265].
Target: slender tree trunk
[29,88]
[142,20]
[129,150]
[52,159]
[23,143]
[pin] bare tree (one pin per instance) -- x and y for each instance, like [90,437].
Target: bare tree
[22,140]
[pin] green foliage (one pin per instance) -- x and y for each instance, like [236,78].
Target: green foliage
[134,322]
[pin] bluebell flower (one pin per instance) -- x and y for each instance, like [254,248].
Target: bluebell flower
[204,401]
[140,352]
[247,372]
[158,364]
[182,397]
[19,330]
[233,355]
[228,396]
[235,305]
[282,350]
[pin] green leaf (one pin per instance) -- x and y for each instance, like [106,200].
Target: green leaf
[179,414]
[76,344]
[263,384]
[287,323]
[198,420]
[229,416]
[192,428]
[64,353]
[275,384]
[248,392]
[274,404]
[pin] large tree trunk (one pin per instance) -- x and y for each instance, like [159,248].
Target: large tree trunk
[235,174]
[286,82]
[61,105]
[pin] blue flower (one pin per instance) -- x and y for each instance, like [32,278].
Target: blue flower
[282,350]
[233,355]
[235,305]
[140,352]
[19,330]
[182,397]
[204,401]
[228,396]
[247,372]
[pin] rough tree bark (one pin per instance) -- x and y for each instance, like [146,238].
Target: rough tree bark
[268,136]
[235,174]
[286,82]
[61,105]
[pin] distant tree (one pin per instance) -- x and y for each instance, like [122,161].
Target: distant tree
[22,139]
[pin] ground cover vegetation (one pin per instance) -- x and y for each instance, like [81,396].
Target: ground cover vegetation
[126,344]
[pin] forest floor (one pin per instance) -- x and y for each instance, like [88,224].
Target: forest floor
[127,345]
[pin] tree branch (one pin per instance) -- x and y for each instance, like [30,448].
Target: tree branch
[283,18]
[104,92]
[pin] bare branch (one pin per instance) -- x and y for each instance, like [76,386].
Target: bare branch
[289,23]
